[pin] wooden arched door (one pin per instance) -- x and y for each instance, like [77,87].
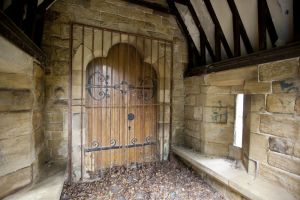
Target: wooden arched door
[121,105]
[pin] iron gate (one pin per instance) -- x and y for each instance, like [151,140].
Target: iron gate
[124,96]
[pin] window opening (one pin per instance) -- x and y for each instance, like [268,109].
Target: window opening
[238,124]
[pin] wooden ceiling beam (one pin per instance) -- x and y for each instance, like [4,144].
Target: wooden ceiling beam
[201,31]
[279,53]
[239,30]
[151,5]
[218,30]
[192,47]
[296,13]
[265,23]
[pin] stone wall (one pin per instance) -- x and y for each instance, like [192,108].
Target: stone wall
[22,149]
[273,116]
[113,14]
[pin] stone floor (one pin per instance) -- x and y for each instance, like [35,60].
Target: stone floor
[169,180]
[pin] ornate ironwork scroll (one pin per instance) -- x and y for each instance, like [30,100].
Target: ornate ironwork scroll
[98,87]
[96,147]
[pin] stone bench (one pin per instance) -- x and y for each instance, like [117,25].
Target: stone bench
[48,187]
[229,179]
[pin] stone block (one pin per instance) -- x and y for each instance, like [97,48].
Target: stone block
[193,133]
[219,133]
[15,81]
[286,86]
[255,87]
[216,100]
[13,125]
[297,149]
[237,89]
[235,152]
[231,77]
[215,114]
[8,62]
[37,119]
[281,145]
[254,122]
[190,100]
[192,112]
[281,103]
[297,105]
[277,176]
[280,125]
[192,89]
[216,149]
[258,103]
[258,147]
[16,153]
[284,162]
[16,100]
[192,142]
[279,70]
[13,181]
[193,125]
[54,127]
[215,90]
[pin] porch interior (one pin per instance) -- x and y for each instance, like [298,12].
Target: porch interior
[149,99]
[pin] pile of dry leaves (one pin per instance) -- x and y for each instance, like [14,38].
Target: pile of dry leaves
[168,180]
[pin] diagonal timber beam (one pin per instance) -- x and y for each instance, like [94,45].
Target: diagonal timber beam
[239,30]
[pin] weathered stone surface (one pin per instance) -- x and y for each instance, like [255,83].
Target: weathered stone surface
[297,105]
[16,100]
[279,70]
[192,112]
[212,148]
[237,89]
[8,61]
[280,125]
[284,162]
[297,149]
[258,103]
[193,133]
[281,103]
[218,133]
[15,124]
[15,153]
[258,147]
[8,183]
[192,142]
[281,145]
[15,81]
[190,100]
[254,122]
[215,90]
[218,100]
[231,77]
[284,86]
[215,114]
[255,87]
[193,125]
[235,152]
[289,181]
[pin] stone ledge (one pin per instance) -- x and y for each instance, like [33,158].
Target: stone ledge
[237,179]
[49,187]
